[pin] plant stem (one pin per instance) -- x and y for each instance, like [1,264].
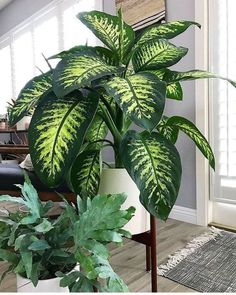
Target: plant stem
[111,125]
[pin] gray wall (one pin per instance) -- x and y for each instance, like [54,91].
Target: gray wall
[185,10]
[19,10]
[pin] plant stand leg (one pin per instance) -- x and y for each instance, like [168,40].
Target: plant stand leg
[153,253]
[149,240]
[148,258]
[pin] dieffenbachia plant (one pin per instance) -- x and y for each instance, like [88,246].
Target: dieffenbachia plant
[96,89]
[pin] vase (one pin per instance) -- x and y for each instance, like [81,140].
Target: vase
[117,180]
[44,286]
[23,124]
[25,285]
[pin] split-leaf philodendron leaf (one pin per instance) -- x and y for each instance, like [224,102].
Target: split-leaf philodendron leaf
[140,96]
[154,164]
[57,132]
[29,96]
[157,54]
[111,30]
[79,70]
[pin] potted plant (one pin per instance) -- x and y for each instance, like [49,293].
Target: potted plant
[41,248]
[95,89]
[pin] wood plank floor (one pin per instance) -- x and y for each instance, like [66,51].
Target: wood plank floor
[129,260]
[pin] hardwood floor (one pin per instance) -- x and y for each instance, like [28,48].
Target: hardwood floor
[129,260]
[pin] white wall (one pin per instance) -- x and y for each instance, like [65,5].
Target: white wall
[185,10]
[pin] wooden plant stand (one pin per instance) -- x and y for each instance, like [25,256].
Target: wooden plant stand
[149,240]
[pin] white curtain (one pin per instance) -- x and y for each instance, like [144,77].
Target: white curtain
[51,30]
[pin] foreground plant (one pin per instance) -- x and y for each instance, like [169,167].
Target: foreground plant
[96,89]
[38,246]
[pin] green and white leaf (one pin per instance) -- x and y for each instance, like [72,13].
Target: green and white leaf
[165,31]
[85,173]
[169,132]
[192,131]
[111,30]
[174,76]
[174,91]
[154,164]
[96,132]
[79,70]
[107,55]
[140,96]
[29,96]
[157,54]
[57,131]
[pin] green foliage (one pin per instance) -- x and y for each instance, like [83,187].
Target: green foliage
[127,82]
[154,164]
[165,31]
[57,132]
[29,96]
[43,247]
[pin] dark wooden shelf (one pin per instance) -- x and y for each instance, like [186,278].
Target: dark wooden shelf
[14,149]
[12,131]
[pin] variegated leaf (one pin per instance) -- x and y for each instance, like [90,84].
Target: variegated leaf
[85,173]
[96,132]
[165,31]
[192,131]
[173,76]
[57,131]
[174,91]
[79,70]
[140,96]
[107,55]
[29,96]
[157,54]
[169,132]
[154,164]
[111,30]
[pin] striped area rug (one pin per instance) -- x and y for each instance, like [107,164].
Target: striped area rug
[206,264]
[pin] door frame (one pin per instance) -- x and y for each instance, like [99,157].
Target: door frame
[203,203]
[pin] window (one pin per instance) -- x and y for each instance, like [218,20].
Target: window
[223,98]
[53,29]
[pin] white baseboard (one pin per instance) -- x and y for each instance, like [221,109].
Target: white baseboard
[184,214]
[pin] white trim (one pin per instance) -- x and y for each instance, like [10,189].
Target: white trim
[184,214]
[202,112]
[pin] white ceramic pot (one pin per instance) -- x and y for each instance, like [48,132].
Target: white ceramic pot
[113,181]
[23,124]
[44,286]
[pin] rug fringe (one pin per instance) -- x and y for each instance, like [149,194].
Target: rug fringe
[178,256]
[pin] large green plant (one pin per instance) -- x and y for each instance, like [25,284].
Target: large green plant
[96,89]
[39,246]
